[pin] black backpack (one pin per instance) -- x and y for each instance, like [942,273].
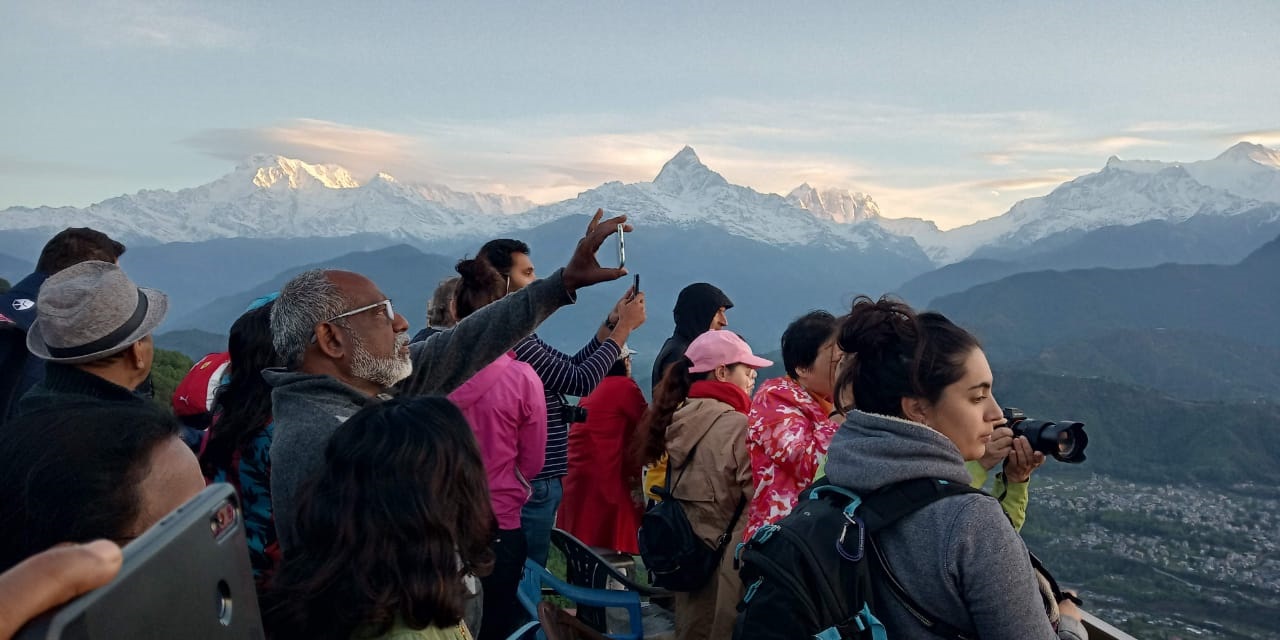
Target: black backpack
[812,574]
[677,559]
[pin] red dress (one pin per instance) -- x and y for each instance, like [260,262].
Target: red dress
[598,507]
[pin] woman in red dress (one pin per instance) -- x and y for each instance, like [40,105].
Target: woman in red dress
[602,501]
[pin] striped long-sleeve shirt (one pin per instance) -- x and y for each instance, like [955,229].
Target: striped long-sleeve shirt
[562,375]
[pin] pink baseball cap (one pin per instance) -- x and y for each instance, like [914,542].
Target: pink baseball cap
[715,348]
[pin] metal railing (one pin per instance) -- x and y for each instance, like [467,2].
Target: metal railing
[1099,629]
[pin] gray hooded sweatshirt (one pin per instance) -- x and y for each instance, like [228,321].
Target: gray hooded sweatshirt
[959,557]
[308,408]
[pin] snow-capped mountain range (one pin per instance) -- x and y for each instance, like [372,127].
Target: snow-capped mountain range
[276,197]
[687,192]
[1125,193]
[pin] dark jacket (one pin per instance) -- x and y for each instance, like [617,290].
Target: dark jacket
[424,333]
[308,408]
[696,306]
[19,370]
[959,557]
[64,383]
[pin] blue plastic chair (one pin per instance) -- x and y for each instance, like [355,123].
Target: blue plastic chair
[530,631]
[536,577]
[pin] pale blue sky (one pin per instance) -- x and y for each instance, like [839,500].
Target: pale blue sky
[950,111]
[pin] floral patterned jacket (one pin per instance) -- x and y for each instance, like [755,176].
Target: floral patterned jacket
[788,431]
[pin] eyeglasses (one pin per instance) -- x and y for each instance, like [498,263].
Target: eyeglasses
[391,313]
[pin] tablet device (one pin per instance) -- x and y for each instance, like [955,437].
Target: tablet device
[186,577]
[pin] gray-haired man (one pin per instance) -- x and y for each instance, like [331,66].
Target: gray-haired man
[344,345]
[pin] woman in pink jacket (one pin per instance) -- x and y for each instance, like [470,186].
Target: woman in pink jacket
[507,408]
[792,419]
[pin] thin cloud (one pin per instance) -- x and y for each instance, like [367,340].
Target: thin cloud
[1175,127]
[1091,147]
[1265,137]
[1023,184]
[171,24]
[361,150]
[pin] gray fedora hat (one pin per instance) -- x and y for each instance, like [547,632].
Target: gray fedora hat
[92,310]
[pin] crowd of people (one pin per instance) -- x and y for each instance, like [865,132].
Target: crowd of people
[396,488]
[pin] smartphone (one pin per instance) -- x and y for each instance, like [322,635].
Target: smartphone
[635,288]
[622,246]
[186,577]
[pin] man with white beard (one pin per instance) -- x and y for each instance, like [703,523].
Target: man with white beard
[344,346]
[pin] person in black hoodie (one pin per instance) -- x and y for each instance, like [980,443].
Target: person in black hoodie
[699,308]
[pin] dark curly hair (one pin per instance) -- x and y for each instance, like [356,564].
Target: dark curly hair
[243,405]
[398,515]
[480,284]
[894,353]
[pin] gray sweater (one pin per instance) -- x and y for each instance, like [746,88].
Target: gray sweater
[308,409]
[959,558]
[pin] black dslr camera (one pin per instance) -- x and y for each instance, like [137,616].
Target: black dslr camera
[1065,440]
[573,414]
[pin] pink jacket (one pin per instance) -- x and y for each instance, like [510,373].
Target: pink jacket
[507,408]
[788,432]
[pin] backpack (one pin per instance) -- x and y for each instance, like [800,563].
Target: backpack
[676,557]
[817,567]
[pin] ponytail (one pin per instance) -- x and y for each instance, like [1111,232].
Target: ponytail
[671,391]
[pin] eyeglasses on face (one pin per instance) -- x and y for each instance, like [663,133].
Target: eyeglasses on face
[391,313]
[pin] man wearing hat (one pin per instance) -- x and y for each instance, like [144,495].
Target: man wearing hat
[93,329]
[19,370]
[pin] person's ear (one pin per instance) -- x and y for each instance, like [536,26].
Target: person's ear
[722,373]
[136,357]
[916,410]
[331,342]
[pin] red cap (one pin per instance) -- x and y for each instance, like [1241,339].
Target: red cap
[194,394]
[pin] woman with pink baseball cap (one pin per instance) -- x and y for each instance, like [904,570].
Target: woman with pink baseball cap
[699,419]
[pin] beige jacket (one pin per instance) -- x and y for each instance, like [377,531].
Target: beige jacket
[719,476]
[710,488]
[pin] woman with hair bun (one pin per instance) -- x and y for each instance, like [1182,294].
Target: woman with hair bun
[922,391]
[506,405]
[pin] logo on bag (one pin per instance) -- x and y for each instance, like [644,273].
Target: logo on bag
[22,304]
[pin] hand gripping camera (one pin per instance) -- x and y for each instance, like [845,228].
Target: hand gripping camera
[1064,441]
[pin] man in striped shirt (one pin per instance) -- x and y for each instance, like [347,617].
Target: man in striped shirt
[562,374]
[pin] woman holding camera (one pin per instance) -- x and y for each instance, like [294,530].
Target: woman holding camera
[925,406]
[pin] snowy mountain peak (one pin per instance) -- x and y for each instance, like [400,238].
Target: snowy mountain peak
[271,170]
[685,172]
[1248,152]
[837,205]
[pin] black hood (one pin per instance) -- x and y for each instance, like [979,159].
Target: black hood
[695,307]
